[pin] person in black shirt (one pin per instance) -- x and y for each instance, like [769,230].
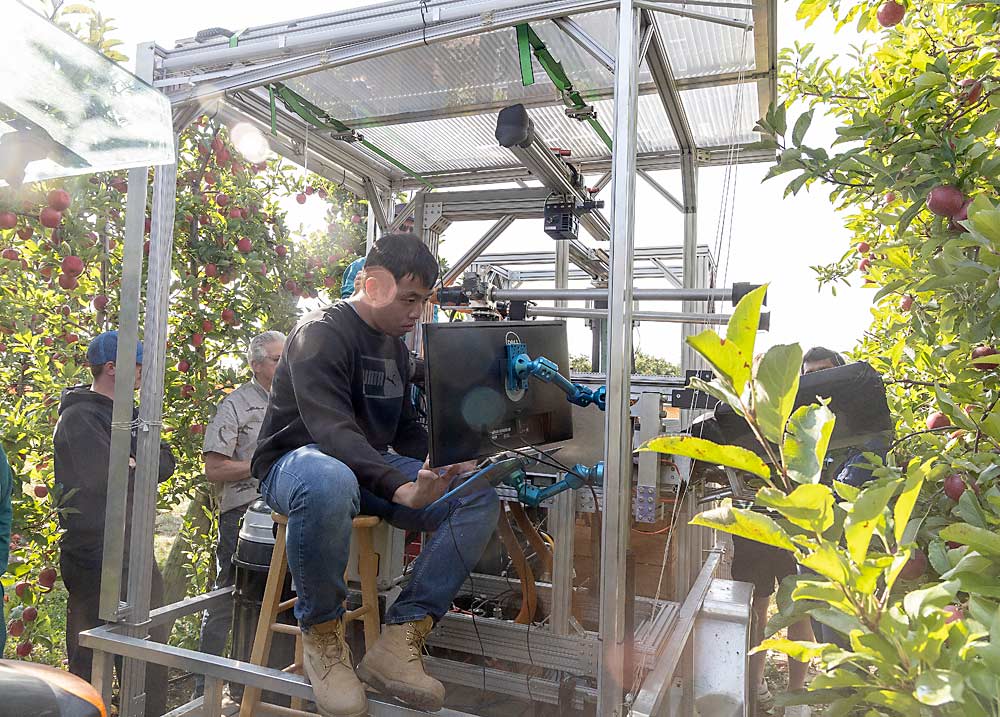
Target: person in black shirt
[341,437]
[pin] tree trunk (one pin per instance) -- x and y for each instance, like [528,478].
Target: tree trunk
[174,574]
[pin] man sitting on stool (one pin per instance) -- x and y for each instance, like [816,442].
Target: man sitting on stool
[339,401]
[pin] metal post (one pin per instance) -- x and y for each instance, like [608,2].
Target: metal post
[618,464]
[124,400]
[141,556]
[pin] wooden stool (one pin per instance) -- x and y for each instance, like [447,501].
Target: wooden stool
[272,606]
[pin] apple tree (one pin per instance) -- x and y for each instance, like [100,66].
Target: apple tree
[238,269]
[913,169]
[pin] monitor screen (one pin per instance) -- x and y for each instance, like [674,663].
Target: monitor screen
[472,414]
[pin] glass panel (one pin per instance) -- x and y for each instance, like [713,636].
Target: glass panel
[65,109]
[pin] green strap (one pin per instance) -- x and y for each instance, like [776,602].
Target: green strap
[274,112]
[527,38]
[234,40]
[317,117]
[524,56]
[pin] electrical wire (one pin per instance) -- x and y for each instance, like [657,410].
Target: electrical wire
[472,583]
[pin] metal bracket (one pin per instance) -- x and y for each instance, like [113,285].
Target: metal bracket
[582,114]
[350,136]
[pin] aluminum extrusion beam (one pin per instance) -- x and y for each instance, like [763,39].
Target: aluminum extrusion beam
[477,205]
[518,276]
[618,427]
[658,316]
[661,190]
[556,175]
[649,701]
[650,161]
[722,294]
[476,249]
[375,209]
[667,253]
[728,22]
[581,37]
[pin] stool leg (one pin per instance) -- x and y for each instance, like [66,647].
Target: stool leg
[268,614]
[297,702]
[368,572]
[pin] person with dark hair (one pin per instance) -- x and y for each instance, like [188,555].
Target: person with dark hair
[818,358]
[82,451]
[341,437]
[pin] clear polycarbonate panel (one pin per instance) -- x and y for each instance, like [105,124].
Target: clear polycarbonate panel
[719,116]
[66,109]
[482,71]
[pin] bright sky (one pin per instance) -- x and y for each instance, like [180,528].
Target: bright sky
[773,239]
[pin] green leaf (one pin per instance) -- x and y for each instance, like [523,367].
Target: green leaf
[864,516]
[709,452]
[984,541]
[725,357]
[775,384]
[930,79]
[746,524]
[809,506]
[829,563]
[917,602]
[938,687]
[805,444]
[908,499]
[801,127]
[745,320]
[798,651]
[985,123]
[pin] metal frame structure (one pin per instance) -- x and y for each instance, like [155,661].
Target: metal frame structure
[228,76]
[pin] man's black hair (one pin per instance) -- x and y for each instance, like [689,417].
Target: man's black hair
[819,353]
[404,255]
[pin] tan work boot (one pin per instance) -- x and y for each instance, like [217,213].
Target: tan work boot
[393,665]
[328,665]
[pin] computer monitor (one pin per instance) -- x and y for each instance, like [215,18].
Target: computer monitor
[472,414]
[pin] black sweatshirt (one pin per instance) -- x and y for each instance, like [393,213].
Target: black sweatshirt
[344,386]
[82,447]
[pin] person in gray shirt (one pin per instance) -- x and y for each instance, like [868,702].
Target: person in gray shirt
[230,441]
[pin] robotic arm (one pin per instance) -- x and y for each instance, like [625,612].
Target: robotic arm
[521,367]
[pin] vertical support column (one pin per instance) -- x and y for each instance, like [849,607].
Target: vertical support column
[691,278]
[562,515]
[124,400]
[141,556]
[612,680]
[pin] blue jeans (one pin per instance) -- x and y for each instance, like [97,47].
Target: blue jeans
[320,495]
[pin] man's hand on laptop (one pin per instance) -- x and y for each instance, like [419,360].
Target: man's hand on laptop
[430,484]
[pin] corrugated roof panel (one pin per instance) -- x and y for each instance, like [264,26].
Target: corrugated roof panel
[483,69]
[718,116]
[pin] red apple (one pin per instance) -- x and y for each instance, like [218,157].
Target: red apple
[329,282]
[945,200]
[70,337]
[300,198]
[207,326]
[223,156]
[48,341]
[915,566]
[47,578]
[25,233]
[217,144]
[971,91]
[938,420]
[10,254]
[222,199]
[68,282]
[863,265]
[183,366]
[15,628]
[235,213]
[72,265]
[228,316]
[147,225]
[59,199]
[187,390]
[980,352]
[953,613]
[244,246]
[197,340]
[954,486]
[890,197]
[30,614]
[8,220]
[291,286]
[356,219]
[263,269]
[890,14]
[322,194]
[907,303]
[21,588]
[24,648]
[100,302]
[309,189]
[211,270]
[49,217]
[197,428]
[281,250]
[41,491]
[863,247]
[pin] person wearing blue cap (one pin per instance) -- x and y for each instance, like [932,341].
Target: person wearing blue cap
[352,278]
[82,450]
